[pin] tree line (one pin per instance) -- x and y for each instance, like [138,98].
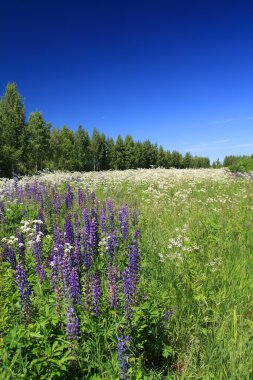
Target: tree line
[32,145]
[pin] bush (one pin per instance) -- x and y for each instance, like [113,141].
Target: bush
[243,165]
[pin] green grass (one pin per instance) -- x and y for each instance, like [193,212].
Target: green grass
[209,278]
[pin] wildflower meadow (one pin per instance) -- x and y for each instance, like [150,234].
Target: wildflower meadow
[136,274]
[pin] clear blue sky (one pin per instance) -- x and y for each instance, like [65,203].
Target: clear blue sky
[178,72]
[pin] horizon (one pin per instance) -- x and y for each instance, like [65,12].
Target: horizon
[175,73]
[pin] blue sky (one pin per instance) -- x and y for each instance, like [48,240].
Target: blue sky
[178,72]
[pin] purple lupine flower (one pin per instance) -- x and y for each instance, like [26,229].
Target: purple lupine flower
[20,194]
[112,287]
[93,213]
[112,245]
[123,353]
[66,268]
[72,324]
[37,249]
[54,275]
[86,221]
[134,262]
[77,252]
[81,198]
[21,249]
[15,179]
[93,197]
[103,220]
[111,214]
[103,223]
[11,257]
[1,209]
[87,251]
[69,232]
[69,197]
[128,294]
[42,218]
[57,254]
[97,292]
[169,313]
[123,221]
[38,196]
[75,291]
[56,203]
[25,292]
[93,240]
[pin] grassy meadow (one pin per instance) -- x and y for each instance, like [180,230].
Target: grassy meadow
[136,274]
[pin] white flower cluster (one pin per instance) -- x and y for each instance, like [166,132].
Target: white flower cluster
[179,246]
[68,248]
[10,241]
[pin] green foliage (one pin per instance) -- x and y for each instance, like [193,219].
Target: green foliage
[119,154]
[13,216]
[12,121]
[244,165]
[36,137]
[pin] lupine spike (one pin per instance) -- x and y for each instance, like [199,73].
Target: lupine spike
[21,249]
[128,294]
[72,324]
[69,232]
[123,221]
[69,197]
[111,214]
[11,257]
[123,349]
[112,287]
[75,291]
[24,291]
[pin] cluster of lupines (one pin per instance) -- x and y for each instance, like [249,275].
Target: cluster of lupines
[95,248]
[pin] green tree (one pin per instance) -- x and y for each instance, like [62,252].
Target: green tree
[110,153]
[55,148]
[150,153]
[12,122]
[36,138]
[119,162]
[168,159]
[176,159]
[130,162]
[98,148]
[230,160]
[161,158]
[187,160]
[82,149]
[103,153]
[67,159]
[138,154]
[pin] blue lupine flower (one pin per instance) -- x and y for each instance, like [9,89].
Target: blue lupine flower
[72,324]
[123,349]
[24,291]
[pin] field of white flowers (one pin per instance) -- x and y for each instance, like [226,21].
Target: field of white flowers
[136,274]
